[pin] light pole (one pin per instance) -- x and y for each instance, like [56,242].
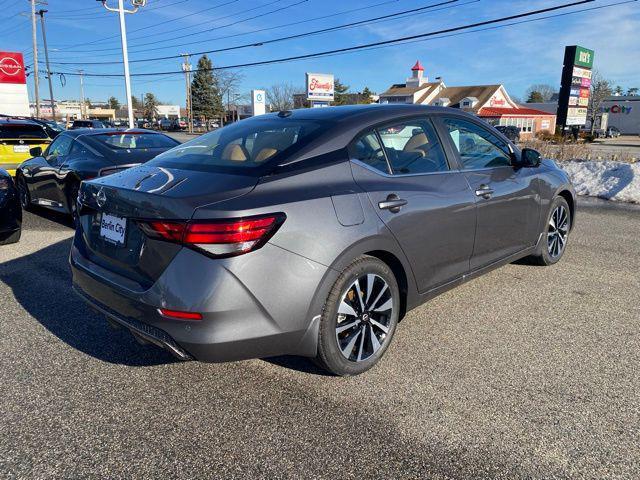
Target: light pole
[125,53]
[46,56]
[36,84]
[186,68]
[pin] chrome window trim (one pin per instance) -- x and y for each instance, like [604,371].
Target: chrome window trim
[388,175]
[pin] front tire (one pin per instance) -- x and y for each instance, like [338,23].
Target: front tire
[556,234]
[23,192]
[359,317]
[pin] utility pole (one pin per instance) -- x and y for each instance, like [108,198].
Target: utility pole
[186,68]
[125,53]
[46,56]
[81,94]
[36,85]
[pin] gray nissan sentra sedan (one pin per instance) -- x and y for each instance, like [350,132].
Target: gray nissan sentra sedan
[312,232]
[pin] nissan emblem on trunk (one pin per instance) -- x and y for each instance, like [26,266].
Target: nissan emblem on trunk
[101,197]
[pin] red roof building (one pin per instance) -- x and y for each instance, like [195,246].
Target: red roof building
[491,102]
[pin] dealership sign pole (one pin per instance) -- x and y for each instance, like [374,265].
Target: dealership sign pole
[575,87]
[14,98]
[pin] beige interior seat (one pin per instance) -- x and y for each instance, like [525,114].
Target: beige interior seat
[235,153]
[269,144]
[418,143]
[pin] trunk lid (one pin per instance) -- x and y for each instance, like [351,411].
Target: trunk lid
[151,193]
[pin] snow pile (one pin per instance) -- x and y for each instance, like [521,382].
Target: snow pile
[611,180]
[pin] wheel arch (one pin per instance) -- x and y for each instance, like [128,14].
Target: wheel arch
[568,196]
[386,250]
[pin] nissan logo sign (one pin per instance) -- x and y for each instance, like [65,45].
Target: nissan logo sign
[10,66]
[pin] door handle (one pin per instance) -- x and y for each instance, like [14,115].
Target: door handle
[484,191]
[393,203]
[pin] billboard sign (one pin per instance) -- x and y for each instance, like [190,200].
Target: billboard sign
[14,99]
[258,102]
[575,86]
[583,57]
[319,87]
[12,68]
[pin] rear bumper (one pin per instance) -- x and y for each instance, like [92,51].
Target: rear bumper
[252,308]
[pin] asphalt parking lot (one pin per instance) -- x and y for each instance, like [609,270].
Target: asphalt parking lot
[528,372]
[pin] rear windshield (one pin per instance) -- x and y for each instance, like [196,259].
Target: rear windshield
[134,141]
[244,145]
[22,131]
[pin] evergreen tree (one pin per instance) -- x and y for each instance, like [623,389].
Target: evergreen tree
[205,91]
[113,103]
[135,102]
[632,92]
[340,92]
[150,107]
[535,97]
[618,90]
[366,95]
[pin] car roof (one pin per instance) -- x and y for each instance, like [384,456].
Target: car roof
[112,131]
[346,112]
[18,121]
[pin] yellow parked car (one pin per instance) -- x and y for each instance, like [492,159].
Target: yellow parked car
[17,137]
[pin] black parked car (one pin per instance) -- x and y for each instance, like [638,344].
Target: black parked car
[52,178]
[312,232]
[86,124]
[10,211]
[511,132]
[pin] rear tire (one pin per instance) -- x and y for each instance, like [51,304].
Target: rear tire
[556,234]
[72,200]
[359,317]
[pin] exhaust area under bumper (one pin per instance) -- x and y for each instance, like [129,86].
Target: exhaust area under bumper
[141,331]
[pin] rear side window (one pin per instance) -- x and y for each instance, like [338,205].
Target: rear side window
[82,124]
[134,141]
[413,147]
[368,149]
[243,145]
[9,131]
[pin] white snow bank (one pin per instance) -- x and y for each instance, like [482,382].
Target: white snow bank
[611,180]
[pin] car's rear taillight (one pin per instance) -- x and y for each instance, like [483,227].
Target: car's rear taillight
[218,238]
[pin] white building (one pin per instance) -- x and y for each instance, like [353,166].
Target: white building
[624,113]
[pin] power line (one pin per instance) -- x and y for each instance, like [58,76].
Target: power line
[260,15]
[199,12]
[275,27]
[374,44]
[299,35]
[96,15]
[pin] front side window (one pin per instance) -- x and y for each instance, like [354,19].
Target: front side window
[413,147]
[368,150]
[478,148]
[60,146]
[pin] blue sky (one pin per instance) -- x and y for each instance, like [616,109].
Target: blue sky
[516,56]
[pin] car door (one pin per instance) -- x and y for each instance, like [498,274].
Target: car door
[45,175]
[507,198]
[426,204]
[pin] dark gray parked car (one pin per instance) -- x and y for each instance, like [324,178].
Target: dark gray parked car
[312,232]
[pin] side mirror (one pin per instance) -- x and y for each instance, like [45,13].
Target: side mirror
[35,151]
[530,158]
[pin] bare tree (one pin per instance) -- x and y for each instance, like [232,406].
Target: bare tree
[545,91]
[601,88]
[280,96]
